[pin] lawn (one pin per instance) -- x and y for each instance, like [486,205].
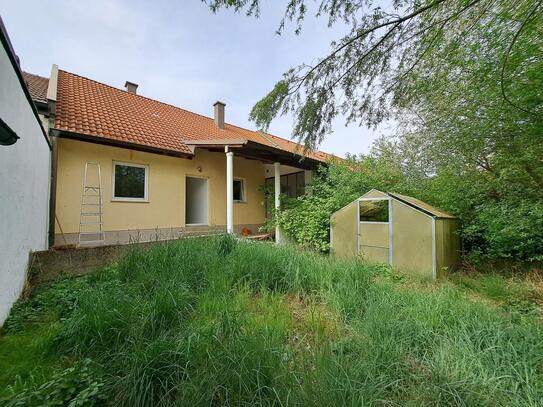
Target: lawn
[214,321]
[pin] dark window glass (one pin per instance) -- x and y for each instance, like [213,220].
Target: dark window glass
[374,211]
[300,184]
[238,190]
[129,181]
[284,184]
[291,186]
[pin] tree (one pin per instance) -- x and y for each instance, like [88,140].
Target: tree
[464,78]
[368,72]
[472,131]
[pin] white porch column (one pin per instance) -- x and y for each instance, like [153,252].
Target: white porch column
[277,188]
[229,191]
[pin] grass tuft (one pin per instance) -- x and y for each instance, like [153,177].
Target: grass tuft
[214,321]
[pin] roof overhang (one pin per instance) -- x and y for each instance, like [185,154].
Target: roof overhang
[244,148]
[270,155]
[260,152]
[118,143]
[215,143]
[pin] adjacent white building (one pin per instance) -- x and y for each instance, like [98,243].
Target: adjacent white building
[25,154]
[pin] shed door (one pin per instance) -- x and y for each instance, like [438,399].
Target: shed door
[374,230]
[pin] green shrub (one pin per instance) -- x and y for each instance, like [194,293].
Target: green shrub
[79,385]
[508,229]
[50,301]
[307,219]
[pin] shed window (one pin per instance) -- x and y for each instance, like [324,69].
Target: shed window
[374,211]
[239,190]
[130,181]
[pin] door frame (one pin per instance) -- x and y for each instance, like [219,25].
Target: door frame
[389,223]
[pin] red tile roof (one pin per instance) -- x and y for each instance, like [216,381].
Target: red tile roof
[92,108]
[37,86]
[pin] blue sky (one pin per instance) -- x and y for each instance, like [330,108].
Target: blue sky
[178,52]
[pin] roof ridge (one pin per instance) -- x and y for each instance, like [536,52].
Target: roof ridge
[188,111]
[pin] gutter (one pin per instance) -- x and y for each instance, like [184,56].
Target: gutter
[51,107]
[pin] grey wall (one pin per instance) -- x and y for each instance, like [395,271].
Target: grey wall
[24,187]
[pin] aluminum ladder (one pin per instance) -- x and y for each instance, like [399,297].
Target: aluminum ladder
[91,224]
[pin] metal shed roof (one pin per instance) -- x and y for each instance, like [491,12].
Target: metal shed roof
[423,206]
[415,203]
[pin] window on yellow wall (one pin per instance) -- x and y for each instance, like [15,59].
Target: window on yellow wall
[130,181]
[239,190]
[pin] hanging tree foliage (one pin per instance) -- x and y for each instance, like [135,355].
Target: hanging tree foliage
[367,73]
[463,78]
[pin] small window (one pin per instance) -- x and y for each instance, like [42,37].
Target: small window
[130,181]
[374,211]
[239,190]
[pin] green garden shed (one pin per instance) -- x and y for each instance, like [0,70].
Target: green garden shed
[399,230]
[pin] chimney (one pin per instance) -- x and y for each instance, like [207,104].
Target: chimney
[219,114]
[131,87]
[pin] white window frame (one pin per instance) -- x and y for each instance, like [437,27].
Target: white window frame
[128,199]
[243,190]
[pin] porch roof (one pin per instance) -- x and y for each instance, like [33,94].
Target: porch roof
[96,112]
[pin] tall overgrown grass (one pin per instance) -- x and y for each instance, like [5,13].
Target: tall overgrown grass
[214,321]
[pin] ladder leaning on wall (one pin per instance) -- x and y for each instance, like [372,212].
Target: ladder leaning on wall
[91,225]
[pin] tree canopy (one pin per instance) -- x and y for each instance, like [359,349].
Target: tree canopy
[464,80]
[368,74]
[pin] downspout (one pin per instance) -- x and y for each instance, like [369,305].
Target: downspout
[51,103]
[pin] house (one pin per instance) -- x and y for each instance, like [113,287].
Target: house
[164,171]
[25,162]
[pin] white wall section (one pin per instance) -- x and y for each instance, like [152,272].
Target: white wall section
[24,183]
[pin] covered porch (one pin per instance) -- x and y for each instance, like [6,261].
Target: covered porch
[286,172]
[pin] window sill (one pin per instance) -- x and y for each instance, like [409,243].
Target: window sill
[240,202]
[128,200]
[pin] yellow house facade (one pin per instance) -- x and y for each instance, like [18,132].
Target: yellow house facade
[129,168]
[163,212]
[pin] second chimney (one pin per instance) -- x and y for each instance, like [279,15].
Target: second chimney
[131,87]
[219,114]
